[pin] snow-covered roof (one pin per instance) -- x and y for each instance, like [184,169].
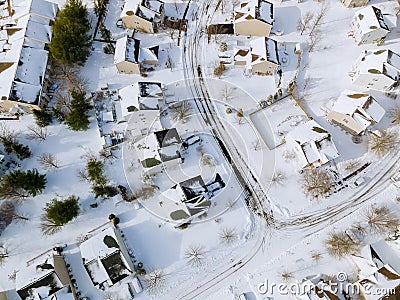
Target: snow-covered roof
[34,272]
[362,108]
[370,18]
[130,7]
[262,49]
[31,66]
[167,137]
[377,264]
[148,54]
[146,9]
[42,8]
[255,9]
[154,5]
[141,95]
[382,61]
[315,142]
[32,29]
[127,49]
[95,247]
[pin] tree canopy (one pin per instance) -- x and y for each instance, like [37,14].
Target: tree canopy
[71,41]
[17,184]
[62,211]
[78,118]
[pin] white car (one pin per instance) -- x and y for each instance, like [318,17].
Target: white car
[356,183]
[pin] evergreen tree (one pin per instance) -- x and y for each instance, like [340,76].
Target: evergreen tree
[13,146]
[71,41]
[61,212]
[42,118]
[22,184]
[78,118]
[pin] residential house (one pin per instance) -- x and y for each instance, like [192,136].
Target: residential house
[264,56]
[140,104]
[186,200]
[129,55]
[143,15]
[369,26]
[377,70]
[354,3]
[260,58]
[378,267]
[159,150]
[46,277]
[126,57]
[254,18]
[355,112]
[23,58]
[312,144]
[106,258]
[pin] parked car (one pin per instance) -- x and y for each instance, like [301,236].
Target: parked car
[357,182]
[193,139]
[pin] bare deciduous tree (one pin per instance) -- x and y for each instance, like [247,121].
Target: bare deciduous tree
[36,133]
[256,145]
[380,220]
[279,177]
[48,161]
[383,142]
[83,174]
[304,22]
[316,255]
[227,92]
[195,255]
[339,244]
[286,276]
[146,192]
[317,183]
[227,235]
[394,113]
[208,160]
[352,165]
[181,111]
[7,134]
[155,282]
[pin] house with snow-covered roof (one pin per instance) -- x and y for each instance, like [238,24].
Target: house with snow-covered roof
[369,26]
[185,200]
[378,271]
[261,57]
[106,258]
[312,144]
[143,15]
[126,57]
[140,104]
[46,277]
[264,56]
[355,112]
[159,150]
[253,18]
[377,70]
[354,3]
[129,55]
[23,58]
